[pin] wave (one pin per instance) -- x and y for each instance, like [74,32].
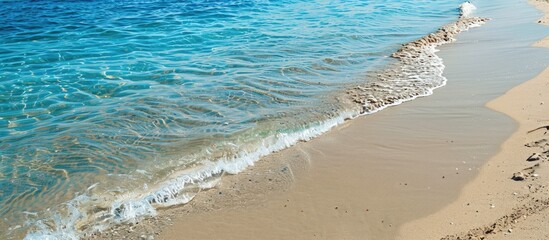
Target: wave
[417,73]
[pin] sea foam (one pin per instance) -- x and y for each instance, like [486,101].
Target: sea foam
[133,206]
[418,70]
[467,9]
[417,73]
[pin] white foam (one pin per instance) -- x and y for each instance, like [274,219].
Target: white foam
[133,206]
[419,70]
[467,9]
[431,74]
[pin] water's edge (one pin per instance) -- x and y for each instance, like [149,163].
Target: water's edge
[417,73]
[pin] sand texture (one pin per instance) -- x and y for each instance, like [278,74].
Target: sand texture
[542,5]
[542,43]
[510,197]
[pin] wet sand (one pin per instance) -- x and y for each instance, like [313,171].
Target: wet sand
[375,176]
[510,197]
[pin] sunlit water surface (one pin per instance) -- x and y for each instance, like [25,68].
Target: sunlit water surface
[124,93]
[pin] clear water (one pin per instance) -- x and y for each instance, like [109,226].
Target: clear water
[123,95]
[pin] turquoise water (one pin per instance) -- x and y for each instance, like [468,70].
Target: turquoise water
[124,95]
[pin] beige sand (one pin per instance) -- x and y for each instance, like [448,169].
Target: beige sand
[542,43]
[494,205]
[342,185]
[542,5]
[510,197]
[352,189]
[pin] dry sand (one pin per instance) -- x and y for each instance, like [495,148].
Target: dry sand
[495,205]
[348,184]
[542,5]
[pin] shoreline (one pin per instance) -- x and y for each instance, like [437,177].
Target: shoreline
[509,199]
[416,73]
[277,174]
[414,61]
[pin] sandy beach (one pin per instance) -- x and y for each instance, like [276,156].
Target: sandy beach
[510,197]
[406,172]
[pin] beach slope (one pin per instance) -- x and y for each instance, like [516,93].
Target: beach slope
[510,197]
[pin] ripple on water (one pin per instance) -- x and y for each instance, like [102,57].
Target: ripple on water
[93,91]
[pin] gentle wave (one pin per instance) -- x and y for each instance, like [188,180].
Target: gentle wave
[417,73]
[175,191]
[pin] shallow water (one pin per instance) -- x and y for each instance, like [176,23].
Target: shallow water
[121,96]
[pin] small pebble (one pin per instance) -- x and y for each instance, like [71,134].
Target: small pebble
[518,176]
[533,157]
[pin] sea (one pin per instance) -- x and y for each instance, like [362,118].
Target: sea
[110,109]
